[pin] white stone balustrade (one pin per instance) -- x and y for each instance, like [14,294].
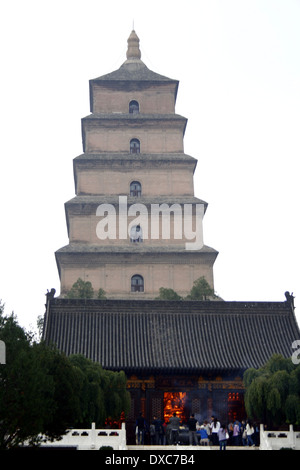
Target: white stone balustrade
[275,440]
[92,439]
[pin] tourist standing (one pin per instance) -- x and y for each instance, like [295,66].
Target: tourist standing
[192,423]
[236,434]
[140,429]
[244,433]
[214,426]
[250,434]
[174,424]
[223,436]
[207,429]
[158,431]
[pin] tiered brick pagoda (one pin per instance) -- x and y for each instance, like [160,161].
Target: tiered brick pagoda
[134,160]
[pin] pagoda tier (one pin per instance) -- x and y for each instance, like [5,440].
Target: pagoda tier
[112,173]
[118,270]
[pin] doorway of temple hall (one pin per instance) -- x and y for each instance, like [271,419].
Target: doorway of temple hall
[175,402]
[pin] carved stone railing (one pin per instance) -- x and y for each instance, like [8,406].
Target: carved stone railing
[92,439]
[275,440]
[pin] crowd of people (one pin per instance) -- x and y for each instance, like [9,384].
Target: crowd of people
[193,432]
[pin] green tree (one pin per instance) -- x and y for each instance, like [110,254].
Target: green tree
[38,388]
[65,396]
[273,392]
[201,290]
[81,290]
[101,294]
[117,396]
[168,294]
[21,407]
[43,392]
[103,393]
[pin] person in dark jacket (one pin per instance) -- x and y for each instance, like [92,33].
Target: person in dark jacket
[191,423]
[158,430]
[174,424]
[140,429]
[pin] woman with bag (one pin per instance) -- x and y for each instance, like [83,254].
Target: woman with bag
[223,435]
[250,433]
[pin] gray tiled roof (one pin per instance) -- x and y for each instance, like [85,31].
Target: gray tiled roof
[172,337]
[133,70]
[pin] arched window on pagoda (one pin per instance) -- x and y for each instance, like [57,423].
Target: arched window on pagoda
[135,146]
[134,107]
[137,283]
[135,189]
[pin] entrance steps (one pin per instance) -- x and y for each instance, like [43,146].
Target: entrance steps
[186,448]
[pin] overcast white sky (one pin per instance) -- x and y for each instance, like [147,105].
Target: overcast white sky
[238,63]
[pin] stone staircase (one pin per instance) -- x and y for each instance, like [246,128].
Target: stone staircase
[180,448]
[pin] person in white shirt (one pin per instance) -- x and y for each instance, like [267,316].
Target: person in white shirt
[214,426]
[250,433]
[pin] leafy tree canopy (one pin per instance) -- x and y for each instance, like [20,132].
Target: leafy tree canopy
[101,294]
[81,290]
[84,290]
[201,290]
[168,294]
[103,393]
[38,388]
[273,392]
[43,392]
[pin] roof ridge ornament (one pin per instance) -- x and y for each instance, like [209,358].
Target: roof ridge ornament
[133,51]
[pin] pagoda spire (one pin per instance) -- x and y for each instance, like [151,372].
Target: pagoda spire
[133,51]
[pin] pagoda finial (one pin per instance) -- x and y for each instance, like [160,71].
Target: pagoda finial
[133,51]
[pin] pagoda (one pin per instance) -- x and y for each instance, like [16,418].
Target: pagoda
[135,225]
